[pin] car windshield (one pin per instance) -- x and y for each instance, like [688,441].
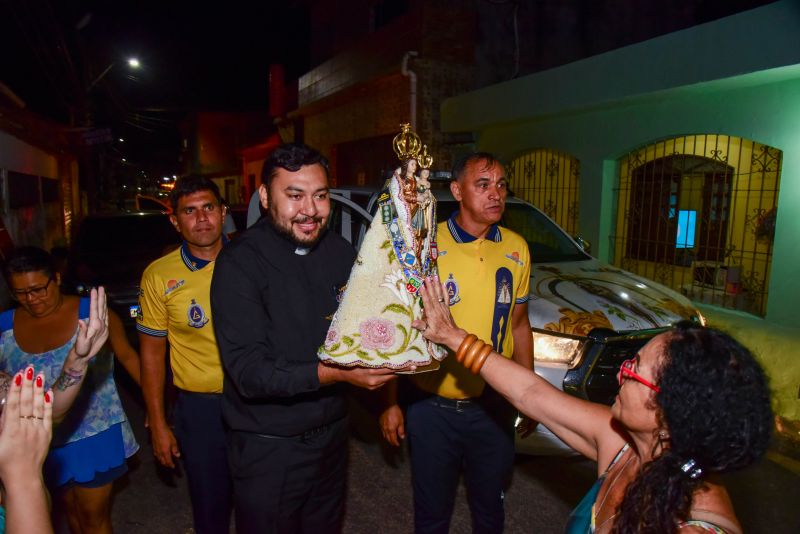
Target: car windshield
[546,241]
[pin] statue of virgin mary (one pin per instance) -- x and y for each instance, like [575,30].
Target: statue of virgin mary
[372,327]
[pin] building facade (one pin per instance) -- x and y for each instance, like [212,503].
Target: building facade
[688,156]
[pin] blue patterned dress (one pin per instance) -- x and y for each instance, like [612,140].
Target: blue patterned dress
[95,435]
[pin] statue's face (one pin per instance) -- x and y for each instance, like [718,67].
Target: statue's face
[412,166]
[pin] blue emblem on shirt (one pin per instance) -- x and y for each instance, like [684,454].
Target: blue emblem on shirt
[452,290]
[197,316]
[504,282]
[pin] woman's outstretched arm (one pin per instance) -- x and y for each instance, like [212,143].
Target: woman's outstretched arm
[581,424]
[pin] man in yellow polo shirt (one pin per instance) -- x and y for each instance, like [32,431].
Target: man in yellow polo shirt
[175,306]
[456,423]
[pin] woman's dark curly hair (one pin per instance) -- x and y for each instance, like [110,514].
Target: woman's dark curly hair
[715,404]
[28,259]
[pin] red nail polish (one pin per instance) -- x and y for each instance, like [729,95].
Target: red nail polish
[29,373]
[47,396]
[39,381]
[18,379]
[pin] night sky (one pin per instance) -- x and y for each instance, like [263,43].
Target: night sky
[193,57]
[200,57]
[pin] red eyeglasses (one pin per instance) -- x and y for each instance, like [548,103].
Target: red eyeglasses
[626,371]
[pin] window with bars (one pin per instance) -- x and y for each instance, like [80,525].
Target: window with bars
[697,213]
[549,180]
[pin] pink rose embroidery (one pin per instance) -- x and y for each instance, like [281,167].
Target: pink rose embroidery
[376,333]
[331,338]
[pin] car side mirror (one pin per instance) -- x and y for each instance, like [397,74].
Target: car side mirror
[584,244]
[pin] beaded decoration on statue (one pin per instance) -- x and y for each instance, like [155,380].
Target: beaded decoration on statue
[372,327]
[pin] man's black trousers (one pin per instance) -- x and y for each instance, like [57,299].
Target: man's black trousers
[289,484]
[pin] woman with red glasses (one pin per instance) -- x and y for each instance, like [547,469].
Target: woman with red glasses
[692,403]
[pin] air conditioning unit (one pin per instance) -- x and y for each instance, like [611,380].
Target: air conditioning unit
[716,275]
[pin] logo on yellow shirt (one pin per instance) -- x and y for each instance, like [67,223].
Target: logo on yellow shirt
[197,316]
[172,285]
[452,289]
[514,256]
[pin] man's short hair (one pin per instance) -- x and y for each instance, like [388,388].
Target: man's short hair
[475,157]
[193,183]
[290,157]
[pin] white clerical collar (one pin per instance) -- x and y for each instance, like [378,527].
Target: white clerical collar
[302,251]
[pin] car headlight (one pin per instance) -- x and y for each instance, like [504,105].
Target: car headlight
[553,348]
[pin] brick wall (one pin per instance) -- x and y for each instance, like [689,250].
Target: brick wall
[372,109]
[360,94]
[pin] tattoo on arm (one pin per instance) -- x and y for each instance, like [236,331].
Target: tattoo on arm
[67,379]
[5,383]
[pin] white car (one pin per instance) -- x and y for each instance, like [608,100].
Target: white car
[586,316]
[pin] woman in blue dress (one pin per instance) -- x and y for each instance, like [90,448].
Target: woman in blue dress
[59,336]
[693,403]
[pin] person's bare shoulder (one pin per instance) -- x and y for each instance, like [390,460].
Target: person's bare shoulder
[712,504]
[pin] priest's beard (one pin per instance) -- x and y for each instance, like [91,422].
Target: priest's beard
[286,227]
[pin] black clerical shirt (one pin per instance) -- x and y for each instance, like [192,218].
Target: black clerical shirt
[272,308]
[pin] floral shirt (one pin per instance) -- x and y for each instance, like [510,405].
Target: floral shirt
[97,406]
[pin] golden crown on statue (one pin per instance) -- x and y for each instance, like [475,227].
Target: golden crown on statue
[406,144]
[425,159]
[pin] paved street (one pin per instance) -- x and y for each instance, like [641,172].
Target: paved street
[541,495]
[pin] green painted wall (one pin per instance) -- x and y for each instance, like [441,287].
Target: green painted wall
[738,76]
[755,41]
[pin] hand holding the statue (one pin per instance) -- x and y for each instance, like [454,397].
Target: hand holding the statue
[363,377]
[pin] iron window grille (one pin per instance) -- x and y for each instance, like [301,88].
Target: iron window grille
[697,213]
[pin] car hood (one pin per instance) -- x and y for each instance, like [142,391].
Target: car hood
[576,297]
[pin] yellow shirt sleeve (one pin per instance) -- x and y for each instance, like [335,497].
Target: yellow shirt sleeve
[524,285]
[153,314]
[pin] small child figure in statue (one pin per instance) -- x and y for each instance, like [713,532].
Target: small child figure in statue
[419,220]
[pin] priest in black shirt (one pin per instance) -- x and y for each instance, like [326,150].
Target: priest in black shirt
[273,294]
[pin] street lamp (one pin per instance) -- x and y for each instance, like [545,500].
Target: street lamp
[132,63]
[91,157]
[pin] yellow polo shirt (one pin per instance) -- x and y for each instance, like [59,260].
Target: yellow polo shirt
[485,279]
[175,301]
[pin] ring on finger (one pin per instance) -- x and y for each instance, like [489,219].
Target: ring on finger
[424,328]
[441,299]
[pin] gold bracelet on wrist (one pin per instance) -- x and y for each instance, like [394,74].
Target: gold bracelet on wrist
[469,340]
[481,359]
[471,352]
